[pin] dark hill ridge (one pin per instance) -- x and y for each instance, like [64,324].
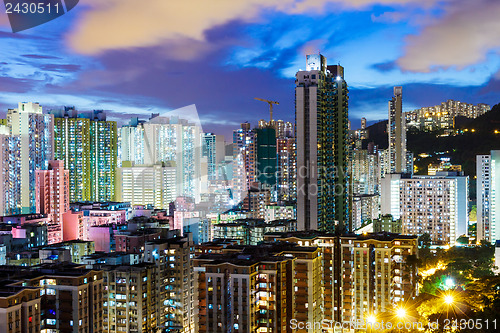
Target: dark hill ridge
[480,138]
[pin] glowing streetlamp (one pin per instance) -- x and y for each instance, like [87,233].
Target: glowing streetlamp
[401,313]
[449,299]
[370,321]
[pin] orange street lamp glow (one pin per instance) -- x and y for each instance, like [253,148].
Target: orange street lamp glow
[448,299]
[401,313]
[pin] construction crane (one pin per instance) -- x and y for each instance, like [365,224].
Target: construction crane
[270,105]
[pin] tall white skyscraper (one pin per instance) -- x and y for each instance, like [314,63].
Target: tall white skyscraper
[488,196]
[36,132]
[131,142]
[396,130]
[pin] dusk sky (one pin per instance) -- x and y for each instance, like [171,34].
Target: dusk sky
[133,57]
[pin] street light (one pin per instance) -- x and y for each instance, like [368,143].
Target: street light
[449,299]
[401,313]
[370,321]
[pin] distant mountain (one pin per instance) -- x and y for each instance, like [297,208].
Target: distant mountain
[377,133]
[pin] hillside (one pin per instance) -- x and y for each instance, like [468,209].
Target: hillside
[478,136]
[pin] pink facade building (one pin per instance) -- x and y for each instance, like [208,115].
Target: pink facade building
[98,217]
[52,197]
[72,225]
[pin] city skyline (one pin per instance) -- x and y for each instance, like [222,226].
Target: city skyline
[252,48]
[210,166]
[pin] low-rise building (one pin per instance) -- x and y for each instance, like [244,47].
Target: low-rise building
[20,308]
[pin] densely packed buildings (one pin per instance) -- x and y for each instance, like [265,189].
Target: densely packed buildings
[156,226]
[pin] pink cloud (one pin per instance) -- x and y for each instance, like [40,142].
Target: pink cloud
[4,19]
[121,24]
[463,37]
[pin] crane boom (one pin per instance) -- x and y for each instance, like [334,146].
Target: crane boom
[271,103]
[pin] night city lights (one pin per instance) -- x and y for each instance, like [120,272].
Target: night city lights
[249,166]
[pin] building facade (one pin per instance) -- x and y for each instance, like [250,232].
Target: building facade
[321,103]
[177,288]
[169,140]
[436,205]
[87,143]
[52,197]
[488,199]
[361,275]
[396,130]
[244,161]
[10,176]
[131,303]
[146,185]
[36,133]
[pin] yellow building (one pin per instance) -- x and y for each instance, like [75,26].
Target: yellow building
[361,274]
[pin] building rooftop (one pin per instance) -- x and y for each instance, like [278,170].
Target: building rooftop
[313,234]
[174,240]
[52,269]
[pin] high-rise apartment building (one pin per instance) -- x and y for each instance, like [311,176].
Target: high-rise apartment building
[52,197]
[436,205]
[256,201]
[131,303]
[286,172]
[364,165]
[131,142]
[167,140]
[364,208]
[396,130]
[146,185]
[259,288]
[266,156]
[321,103]
[177,287]
[20,308]
[36,133]
[10,172]
[71,297]
[488,197]
[361,275]
[214,150]
[363,123]
[87,143]
[244,161]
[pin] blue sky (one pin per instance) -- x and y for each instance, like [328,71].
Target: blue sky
[133,58]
